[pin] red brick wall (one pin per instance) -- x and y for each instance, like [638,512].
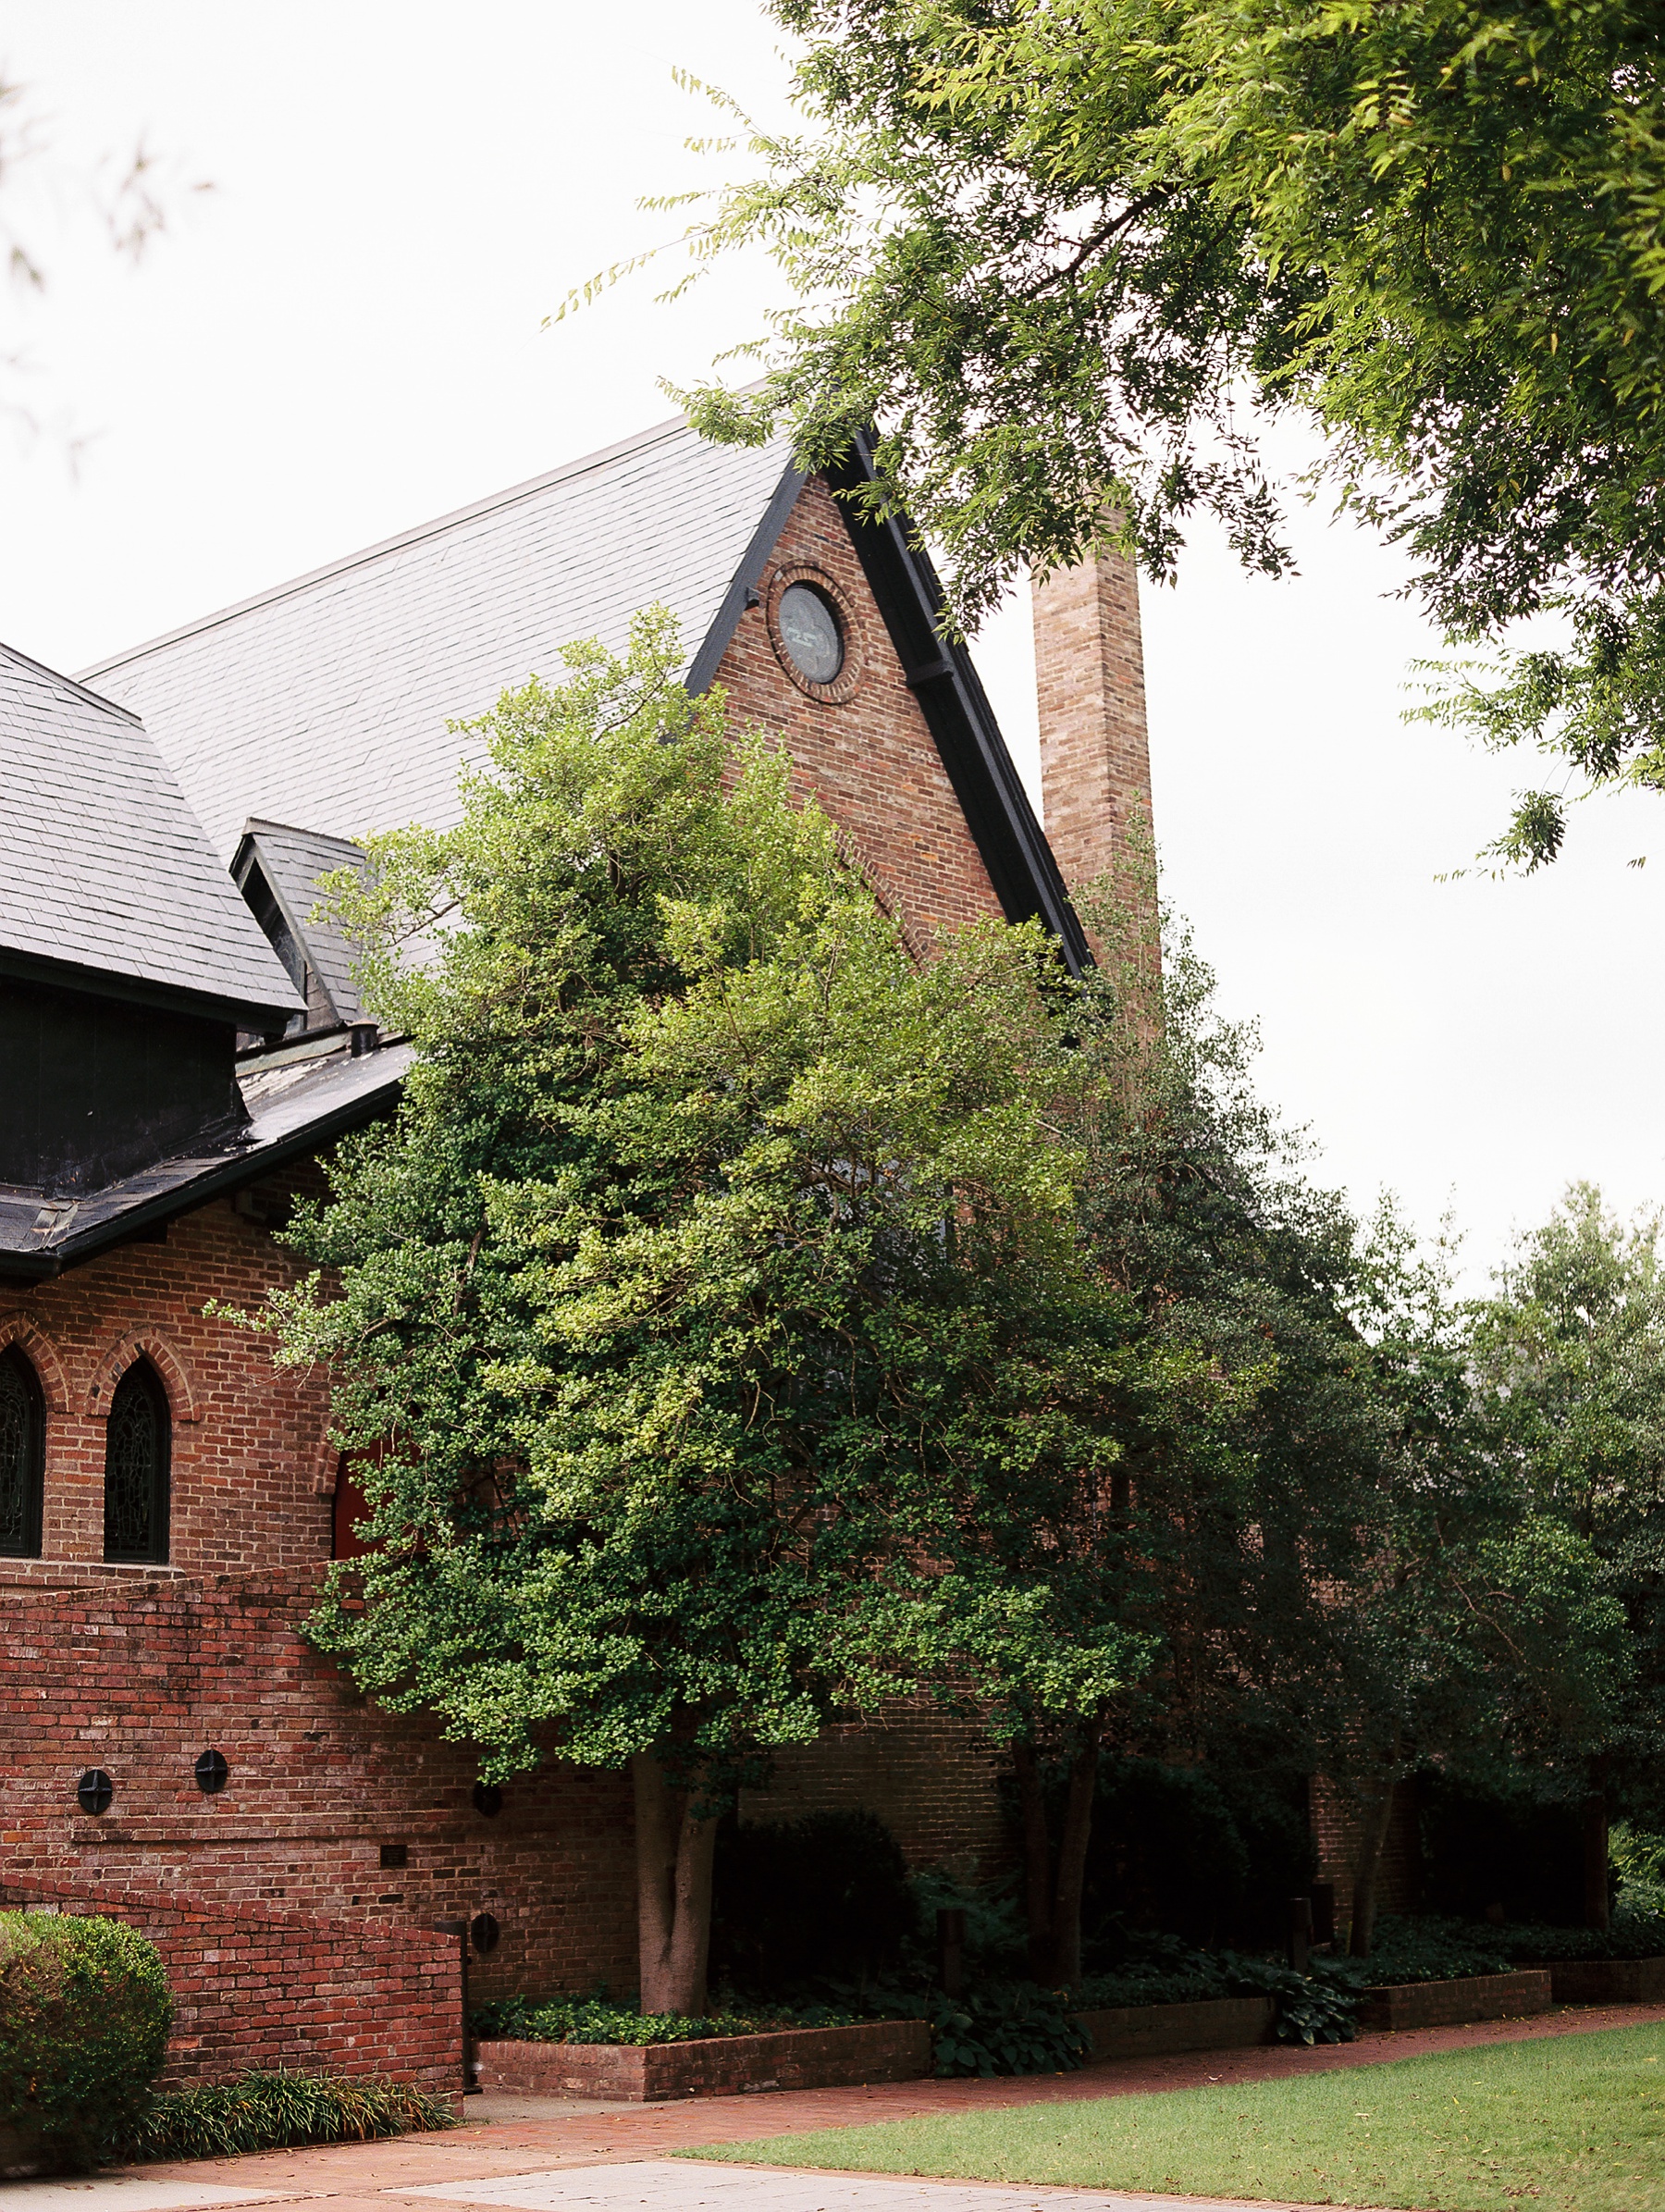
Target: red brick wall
[253,1988]
[871,759]
[251,1472]
[139,1678]
[933,1779]
[1095,763]
[1336,1832]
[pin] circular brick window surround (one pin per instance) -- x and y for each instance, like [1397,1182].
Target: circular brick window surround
[849,674]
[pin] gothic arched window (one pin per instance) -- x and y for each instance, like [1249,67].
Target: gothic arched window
[22,1456]
[136,1464]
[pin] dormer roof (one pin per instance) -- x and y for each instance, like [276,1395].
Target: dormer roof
[288,862]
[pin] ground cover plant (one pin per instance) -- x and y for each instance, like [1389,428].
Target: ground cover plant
[270,2111]
[1575,2123]
[594,2019]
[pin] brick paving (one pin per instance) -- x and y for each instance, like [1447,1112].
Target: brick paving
[508,2137]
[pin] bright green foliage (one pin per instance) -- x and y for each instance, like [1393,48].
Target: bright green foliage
[1051,251]
[270,2111]
[84,2016]
[720,1263]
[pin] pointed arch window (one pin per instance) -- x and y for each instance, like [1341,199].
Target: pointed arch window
[138,1450]
[22,1456]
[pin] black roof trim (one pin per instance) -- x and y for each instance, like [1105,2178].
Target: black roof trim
[216,1178]
[174,999]
[703,667]
[1014,849]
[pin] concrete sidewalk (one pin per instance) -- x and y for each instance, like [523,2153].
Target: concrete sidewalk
[534,2154]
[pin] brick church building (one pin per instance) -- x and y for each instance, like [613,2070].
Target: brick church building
[183,1042]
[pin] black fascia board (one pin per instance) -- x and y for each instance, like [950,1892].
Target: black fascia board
[218,1181]
[715,642]
[1012,843]
[138,990]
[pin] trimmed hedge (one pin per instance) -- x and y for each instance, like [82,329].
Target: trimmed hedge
[85,2017]
[279,2110]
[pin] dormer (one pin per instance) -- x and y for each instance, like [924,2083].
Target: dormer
[278,868]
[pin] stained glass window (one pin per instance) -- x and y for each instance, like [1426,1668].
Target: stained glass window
[136,1456]
[22,1438]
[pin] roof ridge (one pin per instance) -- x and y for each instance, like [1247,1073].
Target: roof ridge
[57,675]
[641,440]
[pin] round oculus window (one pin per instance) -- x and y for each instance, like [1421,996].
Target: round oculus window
[810,632]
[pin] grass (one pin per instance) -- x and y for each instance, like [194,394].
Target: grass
[1570,2123]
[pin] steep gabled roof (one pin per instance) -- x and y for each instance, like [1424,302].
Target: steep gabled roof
[326,701]
[107,873]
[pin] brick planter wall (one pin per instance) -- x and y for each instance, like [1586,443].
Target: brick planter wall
[886,2050]
[1609,1981]
[1151,2030]
[253,1988]
[1450,2004]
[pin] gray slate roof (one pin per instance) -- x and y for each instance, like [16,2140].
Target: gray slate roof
[102,865]
[293,861]
[325,701]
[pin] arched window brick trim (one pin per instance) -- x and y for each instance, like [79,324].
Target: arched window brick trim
[143,1344]
[24,1331]
[22,1455]
[139,1469]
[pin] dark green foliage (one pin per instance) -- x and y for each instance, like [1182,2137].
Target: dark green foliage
[1165,1852]
[827,1895]
[1005,2028]
[1207,1855]
[1483,1849]
[1429,1947]
[272,2111]
[1317,2007]
[84,2018]
[593,2020]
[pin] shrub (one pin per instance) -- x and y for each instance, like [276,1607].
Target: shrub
[1005,2028]
[827,1895]
[273,2112]
[593,2020]
[84,2016]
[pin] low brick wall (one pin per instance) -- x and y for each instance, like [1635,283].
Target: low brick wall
[1609,1981]
[257,1988]
[1151,2030]
[885,2050]
[1450,2004]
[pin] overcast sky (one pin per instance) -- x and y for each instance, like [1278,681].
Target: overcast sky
[343,339]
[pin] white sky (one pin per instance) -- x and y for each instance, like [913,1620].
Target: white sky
[343,339]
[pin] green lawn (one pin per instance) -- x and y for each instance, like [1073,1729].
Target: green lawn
[1574,2123]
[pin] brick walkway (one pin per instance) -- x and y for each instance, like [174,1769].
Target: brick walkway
[507,2136]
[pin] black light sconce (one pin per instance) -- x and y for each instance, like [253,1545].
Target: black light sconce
[485,1933]
[94,1790]
[212,1773]
[488,1800]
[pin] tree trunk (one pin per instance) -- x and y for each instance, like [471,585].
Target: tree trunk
[1037,1860]
[1066,1962]
[1596,1860]
[1372,1835]
[673,1890]
[1052,1881]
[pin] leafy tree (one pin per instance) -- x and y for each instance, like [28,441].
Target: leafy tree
[1052,251]
[721,1265]
[1569,1360]
[1478,1635]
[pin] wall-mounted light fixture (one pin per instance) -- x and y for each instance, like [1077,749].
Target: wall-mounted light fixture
[94,1790]
[212,1773]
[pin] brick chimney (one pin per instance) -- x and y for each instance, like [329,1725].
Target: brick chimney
[1095,763]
